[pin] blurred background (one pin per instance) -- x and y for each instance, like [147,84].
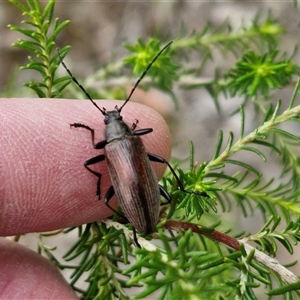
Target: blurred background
[99,28]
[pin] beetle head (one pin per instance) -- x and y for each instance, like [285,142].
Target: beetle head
[112,115]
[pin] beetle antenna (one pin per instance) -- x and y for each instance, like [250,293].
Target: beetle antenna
[144,73]
[77,83]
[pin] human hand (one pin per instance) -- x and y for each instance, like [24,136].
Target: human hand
[44,186]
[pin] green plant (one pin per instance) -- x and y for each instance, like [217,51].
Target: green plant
[42,31]
[198,258]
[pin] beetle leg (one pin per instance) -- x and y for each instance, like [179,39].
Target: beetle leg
[135,237]
[159,159]
[164,194]
[92,161]
[142,131]
[134,125]
[99,145]
[79,125]
[109,194]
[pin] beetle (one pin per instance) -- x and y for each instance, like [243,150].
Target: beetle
[133,179]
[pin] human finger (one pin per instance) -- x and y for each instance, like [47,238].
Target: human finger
[43,184]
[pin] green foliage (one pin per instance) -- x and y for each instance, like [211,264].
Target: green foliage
[283,197]
[198,257]
[97,252]
[267,237]
[163,69]
[258,74]
[179,279]
[42,31]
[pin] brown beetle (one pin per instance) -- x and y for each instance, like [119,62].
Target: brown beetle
[133,179]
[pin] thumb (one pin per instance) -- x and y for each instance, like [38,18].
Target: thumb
[27,275]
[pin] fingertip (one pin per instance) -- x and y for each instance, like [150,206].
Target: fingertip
[27,275]
[44,185]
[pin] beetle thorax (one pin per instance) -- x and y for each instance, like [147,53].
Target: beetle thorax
[115,127]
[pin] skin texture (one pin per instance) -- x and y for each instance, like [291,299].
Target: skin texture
[44,186]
